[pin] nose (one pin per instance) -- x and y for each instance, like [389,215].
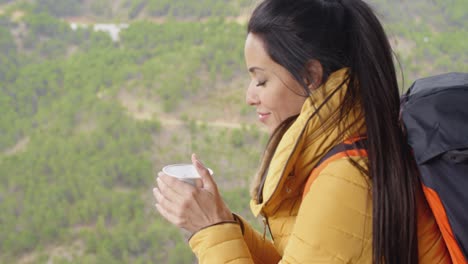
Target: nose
[251,96]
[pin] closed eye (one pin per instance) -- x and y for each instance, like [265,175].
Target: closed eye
[261,83]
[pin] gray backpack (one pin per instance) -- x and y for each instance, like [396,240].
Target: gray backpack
[435,115]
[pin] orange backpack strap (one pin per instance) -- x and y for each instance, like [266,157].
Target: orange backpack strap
[443,222]
[355,147]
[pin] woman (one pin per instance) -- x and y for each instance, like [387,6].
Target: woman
[322,73]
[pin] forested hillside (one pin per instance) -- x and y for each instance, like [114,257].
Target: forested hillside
[132,9]
[86,122]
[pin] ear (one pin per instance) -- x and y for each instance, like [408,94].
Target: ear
[314,72]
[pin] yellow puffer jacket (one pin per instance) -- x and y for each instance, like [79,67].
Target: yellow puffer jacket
[333,222]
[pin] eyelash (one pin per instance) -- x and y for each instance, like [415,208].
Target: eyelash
[261,83]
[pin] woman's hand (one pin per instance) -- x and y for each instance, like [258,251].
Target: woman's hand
[191,207]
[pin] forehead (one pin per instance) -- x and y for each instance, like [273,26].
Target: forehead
[256,54]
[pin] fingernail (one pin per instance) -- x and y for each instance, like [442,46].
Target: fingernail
[160,173]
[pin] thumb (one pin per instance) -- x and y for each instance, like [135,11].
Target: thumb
[208,182]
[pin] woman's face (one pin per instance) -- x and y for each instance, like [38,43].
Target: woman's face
[273,91]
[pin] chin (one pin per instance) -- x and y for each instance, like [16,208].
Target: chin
[271,129]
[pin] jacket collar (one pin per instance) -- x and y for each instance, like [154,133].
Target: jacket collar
[309,138]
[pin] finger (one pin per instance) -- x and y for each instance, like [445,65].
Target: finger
[157,195]
[167,204]
[199,183]
[171,186]
[208,182]
[177,217]
[167,191]
[174,219]
[179,205]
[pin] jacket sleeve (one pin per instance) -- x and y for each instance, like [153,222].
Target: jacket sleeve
[334,222]
[233,243]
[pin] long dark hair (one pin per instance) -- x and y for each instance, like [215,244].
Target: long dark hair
[346,33]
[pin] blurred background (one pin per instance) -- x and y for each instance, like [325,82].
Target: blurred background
[96,96]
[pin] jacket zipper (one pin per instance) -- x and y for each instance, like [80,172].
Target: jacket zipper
[266,226]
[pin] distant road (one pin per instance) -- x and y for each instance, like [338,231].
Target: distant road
[167,121]
[142,109]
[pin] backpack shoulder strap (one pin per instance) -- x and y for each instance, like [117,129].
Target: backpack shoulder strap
[350,148]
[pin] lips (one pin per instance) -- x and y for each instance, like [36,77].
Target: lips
[263,116]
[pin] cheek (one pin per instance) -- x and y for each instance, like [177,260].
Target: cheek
[281,101]
[286,105]
[274,101]
[292,106]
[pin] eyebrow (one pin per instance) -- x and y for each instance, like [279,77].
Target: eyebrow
[252,69]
